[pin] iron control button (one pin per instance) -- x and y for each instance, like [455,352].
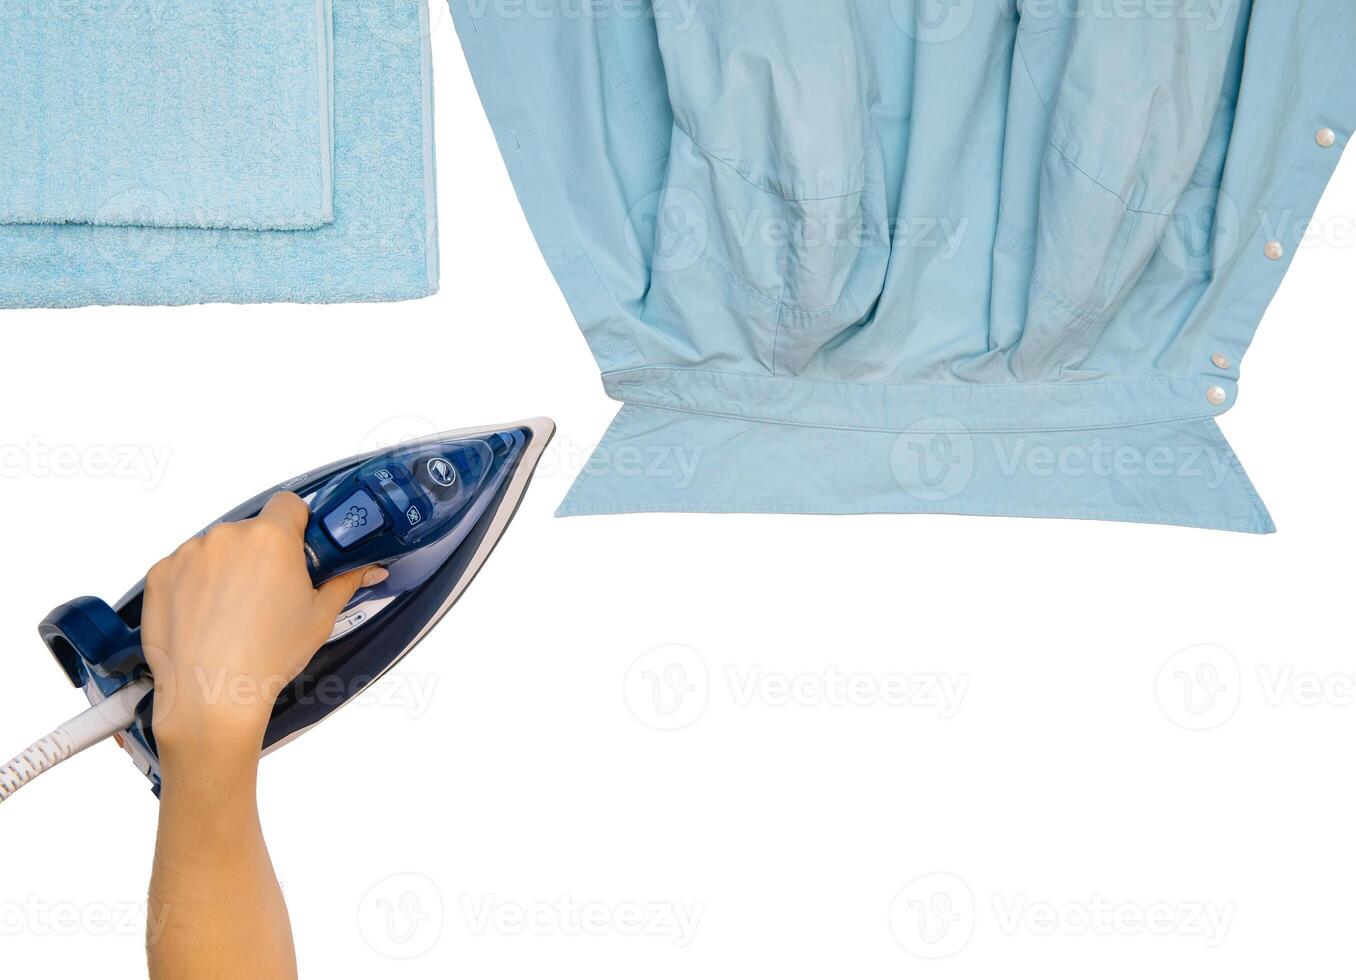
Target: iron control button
[384,476]
[347,623]
[354,520]
[441,472]
[407,507]
[439,476]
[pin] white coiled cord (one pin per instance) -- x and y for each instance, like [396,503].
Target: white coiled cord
[91,728]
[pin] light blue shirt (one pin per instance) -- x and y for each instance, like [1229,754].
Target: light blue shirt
[966,256]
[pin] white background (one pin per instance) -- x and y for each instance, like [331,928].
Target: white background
[1055,812]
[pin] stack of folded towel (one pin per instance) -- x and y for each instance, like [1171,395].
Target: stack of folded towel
[191,151]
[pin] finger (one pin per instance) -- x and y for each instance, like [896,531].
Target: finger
[335,594]
[288,511]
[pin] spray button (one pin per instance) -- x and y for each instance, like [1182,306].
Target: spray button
[354,519]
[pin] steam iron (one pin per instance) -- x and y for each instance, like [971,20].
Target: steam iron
[429,511]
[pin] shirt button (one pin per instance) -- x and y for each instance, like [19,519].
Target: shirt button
[1326,137]
[1216,395]
[1221,362]
[1274,250]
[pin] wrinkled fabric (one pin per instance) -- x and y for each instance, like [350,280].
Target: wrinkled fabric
[972,256]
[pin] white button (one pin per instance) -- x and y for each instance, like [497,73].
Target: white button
[1275,250]
[1221,362]
[1326,137]
[1216,395]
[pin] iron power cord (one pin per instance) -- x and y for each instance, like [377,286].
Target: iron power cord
[98,723]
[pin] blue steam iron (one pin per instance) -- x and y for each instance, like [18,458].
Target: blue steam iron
[429,511]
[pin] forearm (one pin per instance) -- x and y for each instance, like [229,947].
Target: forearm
[216,909]
[214,897]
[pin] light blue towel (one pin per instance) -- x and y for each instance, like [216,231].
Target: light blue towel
[382,242]
[190,113]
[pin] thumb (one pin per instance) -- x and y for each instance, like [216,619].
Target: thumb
[335,594]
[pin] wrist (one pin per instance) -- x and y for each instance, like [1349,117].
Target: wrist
[214,760]
[202,735]
[217,708]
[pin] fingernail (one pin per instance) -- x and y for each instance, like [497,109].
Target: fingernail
[374,576]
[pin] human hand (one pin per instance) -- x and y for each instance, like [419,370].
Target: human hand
[230,619]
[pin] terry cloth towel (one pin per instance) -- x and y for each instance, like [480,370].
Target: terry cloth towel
[971,257]
[186,113]
[290,154]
